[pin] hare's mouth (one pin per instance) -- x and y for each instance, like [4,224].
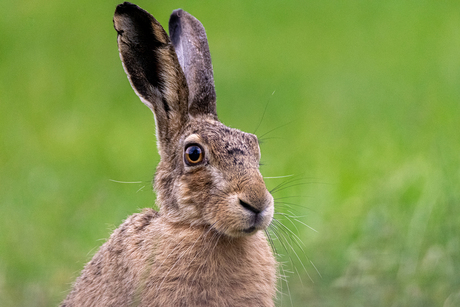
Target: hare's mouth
[250,229]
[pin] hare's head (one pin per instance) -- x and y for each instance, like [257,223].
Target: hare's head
[209,173]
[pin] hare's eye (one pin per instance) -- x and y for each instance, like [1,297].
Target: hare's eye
[193,154]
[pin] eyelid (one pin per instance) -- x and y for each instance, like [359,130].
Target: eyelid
[191,143]
[192,139]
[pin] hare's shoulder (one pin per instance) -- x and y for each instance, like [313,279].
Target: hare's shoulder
[133,240]
[139,222]
[117,263]
[136,231]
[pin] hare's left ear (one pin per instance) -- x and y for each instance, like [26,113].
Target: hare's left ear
[189,39]
[155,74]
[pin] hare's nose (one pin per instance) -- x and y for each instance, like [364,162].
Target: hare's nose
[256,218]
[249,207]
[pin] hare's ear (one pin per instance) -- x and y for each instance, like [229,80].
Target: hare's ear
[189,39]
[151,63]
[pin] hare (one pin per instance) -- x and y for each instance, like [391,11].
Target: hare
[206,246]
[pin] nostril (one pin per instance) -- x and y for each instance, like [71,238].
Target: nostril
[249,207]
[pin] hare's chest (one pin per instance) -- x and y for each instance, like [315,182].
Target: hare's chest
[205,274]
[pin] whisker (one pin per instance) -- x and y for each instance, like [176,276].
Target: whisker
[271,138]
[296,217]
[278,177]
[287,207]
[282,268]
[263,114]
[289,186]
[292,182]
[293,217]
[281,241]
[271,241]
[286,182]
[288,237]
[296,241]
[298,274]
[291,208]
[317,271]
[287,230]
[289,219]
[118,181]
[297,256]
[286,197]
[270,131]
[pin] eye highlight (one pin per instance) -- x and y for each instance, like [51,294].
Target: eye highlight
[193,155]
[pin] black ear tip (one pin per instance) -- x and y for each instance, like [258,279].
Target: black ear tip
[175,17]
[177,13]
[174,25]
[125,7]
[126,4]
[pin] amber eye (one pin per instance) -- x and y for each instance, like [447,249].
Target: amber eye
[193,154]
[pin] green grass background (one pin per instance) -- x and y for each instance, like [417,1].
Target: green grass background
[367,109]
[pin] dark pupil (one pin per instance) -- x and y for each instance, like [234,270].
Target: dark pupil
[194,153]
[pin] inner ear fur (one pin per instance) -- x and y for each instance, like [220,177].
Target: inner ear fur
[189,39]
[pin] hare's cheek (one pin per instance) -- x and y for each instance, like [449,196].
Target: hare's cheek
[189,213]
[225,215]
[187,201]
[215,213]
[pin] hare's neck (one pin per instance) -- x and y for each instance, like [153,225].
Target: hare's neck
[200,261]
[200,244]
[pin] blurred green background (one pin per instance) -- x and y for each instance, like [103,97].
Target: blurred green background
[362,106]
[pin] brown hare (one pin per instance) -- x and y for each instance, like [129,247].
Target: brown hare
[205,246]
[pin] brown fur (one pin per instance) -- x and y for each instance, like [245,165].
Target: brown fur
[195,266]
[206,245]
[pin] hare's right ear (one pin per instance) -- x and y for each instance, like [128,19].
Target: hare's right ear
[153,69]
[189,39]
